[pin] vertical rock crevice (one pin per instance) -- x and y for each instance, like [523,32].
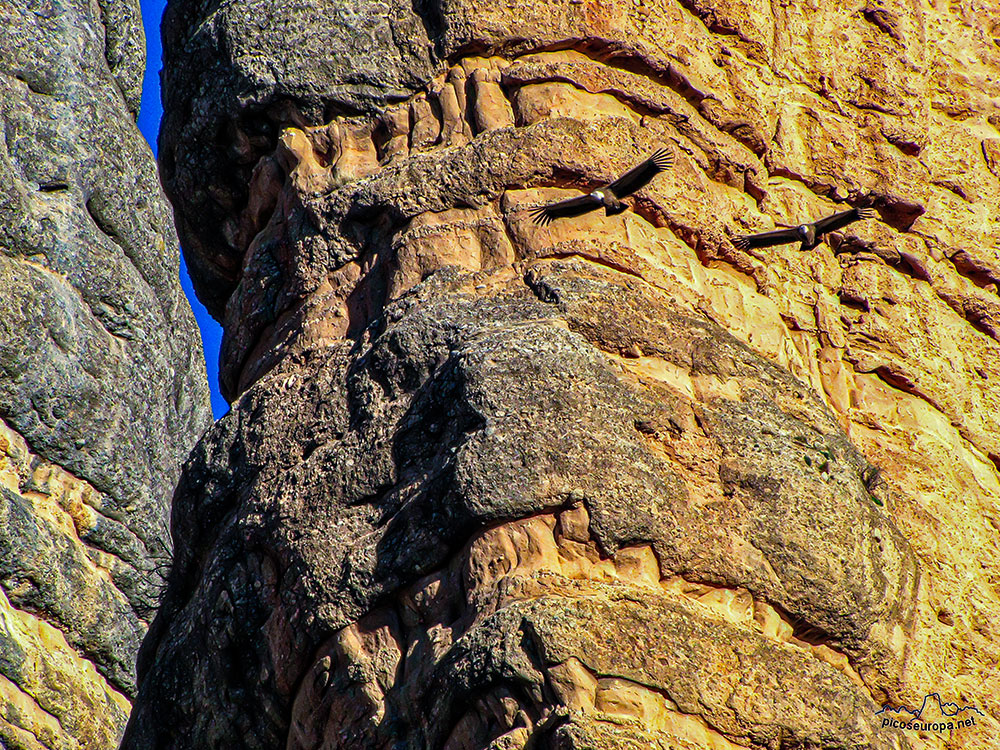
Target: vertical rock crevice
[102,381]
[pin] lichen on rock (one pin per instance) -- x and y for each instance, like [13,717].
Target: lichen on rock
[611,482]
[102,382]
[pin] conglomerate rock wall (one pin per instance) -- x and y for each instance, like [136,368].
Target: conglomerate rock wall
[102,382]
[610,482]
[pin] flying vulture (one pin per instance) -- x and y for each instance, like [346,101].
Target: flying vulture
[809,235]
[608,196]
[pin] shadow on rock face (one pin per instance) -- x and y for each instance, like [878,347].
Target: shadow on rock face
[489,484]
[478,522]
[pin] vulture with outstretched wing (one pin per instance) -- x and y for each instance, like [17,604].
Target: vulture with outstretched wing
[810,235]
[608,196]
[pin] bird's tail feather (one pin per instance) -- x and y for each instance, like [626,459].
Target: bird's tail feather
[540,215]
[662,159]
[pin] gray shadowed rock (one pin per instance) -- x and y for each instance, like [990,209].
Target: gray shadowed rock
[493,485]
[235,73]
[353,494]
[102,381]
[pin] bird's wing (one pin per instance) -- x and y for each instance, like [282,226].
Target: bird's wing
[570,207]
[838,221]
[777,237]
[639,175]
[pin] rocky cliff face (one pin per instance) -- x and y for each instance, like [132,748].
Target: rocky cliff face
[102,384]
[608,483]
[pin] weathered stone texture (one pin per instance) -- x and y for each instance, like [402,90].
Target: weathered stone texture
[611,482]
[286,62]
[102,385]
[458,416]
[68,632]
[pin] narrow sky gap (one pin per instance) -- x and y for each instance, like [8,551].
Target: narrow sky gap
[149,124]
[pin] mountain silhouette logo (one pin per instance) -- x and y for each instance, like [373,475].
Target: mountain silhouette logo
[934,715]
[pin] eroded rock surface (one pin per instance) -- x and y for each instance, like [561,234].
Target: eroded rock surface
[102,384]
[610,482]
[469,410]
